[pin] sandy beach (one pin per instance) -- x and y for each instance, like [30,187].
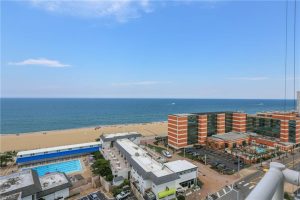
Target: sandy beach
[72,136]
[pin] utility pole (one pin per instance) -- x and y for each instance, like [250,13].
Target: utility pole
[238,164]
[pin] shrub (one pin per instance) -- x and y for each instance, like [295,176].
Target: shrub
[180,197]
[287,196]
[116,191]
[101,167]
[109,177]
[97,155]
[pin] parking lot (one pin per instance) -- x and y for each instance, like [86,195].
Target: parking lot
[94,196]
[220,161]
[100,196]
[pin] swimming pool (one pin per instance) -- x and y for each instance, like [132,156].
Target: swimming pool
[260,150]
[66,167]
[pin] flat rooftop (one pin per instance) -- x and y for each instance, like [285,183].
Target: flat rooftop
[116,136]
[180,165]
[36,151]
[16,196]
[16,181]
[112,135]
[230,136]
[143,159]
[53,180]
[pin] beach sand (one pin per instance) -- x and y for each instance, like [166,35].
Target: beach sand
[44,139]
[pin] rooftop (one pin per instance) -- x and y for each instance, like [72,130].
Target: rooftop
[15,181]
[230,136]
[52,180]
[180,165]
[27,182]
[204,113]
[116,136]
[15,196]
[36,151]
[143,159]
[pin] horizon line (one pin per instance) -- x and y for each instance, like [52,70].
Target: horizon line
[196,98]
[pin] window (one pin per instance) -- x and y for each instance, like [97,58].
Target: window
[292,131]
[192,132]
[211,124]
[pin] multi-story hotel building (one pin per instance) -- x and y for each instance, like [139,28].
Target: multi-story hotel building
[195,128]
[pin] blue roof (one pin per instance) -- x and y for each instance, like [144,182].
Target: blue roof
[56,155]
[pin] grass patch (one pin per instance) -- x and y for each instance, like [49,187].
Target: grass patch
[156,148]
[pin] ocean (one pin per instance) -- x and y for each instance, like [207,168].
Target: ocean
[29,115]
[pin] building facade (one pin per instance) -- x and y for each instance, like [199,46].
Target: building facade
[188,129]
[298,102]
[37,156]
[148,177]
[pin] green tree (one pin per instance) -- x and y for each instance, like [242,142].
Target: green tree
[180,197]
[97,155]
[101,167]
[5,158]
[109,177]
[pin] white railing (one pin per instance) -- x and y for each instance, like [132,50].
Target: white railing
[271,185]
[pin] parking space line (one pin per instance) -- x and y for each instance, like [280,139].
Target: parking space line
[246,184]
[241,182]
[218,195]
[224,191]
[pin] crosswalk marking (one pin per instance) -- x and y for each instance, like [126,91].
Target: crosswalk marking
[246,184]
[252,186]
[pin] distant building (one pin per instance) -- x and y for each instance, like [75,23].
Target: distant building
[54,153]
[148,177]
[27,185]
[272,128]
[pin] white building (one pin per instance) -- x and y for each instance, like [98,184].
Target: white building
[30,186]
[110,152]
[53,153]
[130,160]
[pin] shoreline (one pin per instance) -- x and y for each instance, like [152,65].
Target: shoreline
[43,139]
[84,127]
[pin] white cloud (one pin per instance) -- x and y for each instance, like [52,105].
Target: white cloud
[256,78]
[121,10]
[140,83]
[40,62]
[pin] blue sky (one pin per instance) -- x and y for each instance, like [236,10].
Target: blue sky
[146,49]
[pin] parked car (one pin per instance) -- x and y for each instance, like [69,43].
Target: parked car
[221,166]
[196,154]
[93,196]
[215,164]
[122,195]
[166,154]
[180,190]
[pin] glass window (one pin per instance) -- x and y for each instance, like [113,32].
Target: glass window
[192,132]
[292,131]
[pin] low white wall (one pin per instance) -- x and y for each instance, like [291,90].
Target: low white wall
[62,193]
[105,184]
